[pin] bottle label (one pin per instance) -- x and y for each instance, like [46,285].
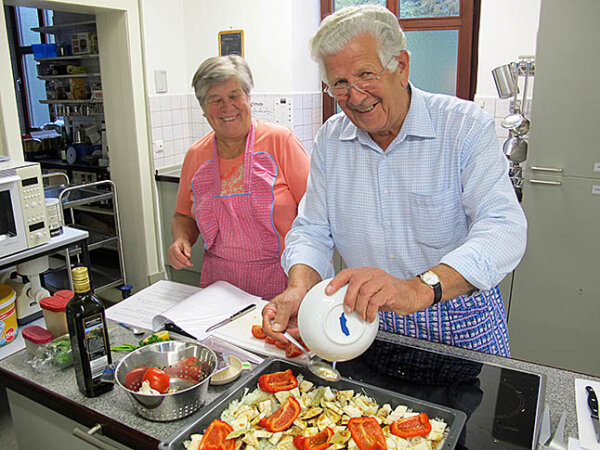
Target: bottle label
[95,342]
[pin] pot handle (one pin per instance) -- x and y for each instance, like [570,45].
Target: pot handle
[222,363]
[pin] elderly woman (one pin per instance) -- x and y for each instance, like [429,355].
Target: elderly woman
[240,186]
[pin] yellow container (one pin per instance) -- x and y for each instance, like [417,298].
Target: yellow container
[8,315]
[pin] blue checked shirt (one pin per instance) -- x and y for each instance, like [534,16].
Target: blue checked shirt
[440,193]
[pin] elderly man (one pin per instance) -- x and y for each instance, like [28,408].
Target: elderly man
[412,188]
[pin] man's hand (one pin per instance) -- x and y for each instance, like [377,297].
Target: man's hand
[179,254]
[281,313]
[371,290]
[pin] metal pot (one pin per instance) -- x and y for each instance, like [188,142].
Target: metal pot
[515,148]
[170,406]
[517,123]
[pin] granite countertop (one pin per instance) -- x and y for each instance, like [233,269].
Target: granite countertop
[58,390]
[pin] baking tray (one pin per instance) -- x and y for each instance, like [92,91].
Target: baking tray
[453,417]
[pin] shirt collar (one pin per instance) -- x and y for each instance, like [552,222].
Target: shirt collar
[416,123]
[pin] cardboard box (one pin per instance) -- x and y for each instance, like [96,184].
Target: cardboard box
[80,43]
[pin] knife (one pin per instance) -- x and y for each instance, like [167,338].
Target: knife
[234,316]
[593,405]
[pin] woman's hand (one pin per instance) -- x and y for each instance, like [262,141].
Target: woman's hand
[179,254]
[185,233]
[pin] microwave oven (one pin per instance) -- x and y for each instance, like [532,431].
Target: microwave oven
[23,223]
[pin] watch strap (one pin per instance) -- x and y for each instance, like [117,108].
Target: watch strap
[437,287]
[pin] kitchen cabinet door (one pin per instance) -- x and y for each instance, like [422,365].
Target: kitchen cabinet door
[566,95]
[555,301]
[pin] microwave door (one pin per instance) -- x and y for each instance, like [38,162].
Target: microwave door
[8,226]
[12,228]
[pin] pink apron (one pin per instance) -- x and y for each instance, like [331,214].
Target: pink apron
[240,242]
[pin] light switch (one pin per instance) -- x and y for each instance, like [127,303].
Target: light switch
[160,81]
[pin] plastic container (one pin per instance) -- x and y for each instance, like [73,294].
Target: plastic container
[53,309]
[8,315]
[36,337]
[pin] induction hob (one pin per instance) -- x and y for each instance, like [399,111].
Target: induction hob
[501,404]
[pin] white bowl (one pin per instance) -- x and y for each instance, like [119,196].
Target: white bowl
[230,374]
[327,330]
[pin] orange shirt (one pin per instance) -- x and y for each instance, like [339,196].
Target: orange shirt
[293,163]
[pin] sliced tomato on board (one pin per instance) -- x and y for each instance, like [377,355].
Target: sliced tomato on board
[133,378]
[367,433]
[291,351]
[283,418]
[258,332]
[317,442]
[277,381]
[281,345]
[269,340]
[158,379]
[215,437]
[411,426]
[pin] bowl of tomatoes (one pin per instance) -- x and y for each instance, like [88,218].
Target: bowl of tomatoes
[167,380]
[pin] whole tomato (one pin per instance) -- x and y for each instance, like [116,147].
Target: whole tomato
[133,378]
[158,379]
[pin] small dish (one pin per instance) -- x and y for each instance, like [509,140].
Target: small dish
[230,374]
[328,331]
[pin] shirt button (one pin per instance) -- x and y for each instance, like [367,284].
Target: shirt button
[385,191]
[391,256]
[388,223]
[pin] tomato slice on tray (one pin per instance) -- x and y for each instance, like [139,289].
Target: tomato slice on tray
[215,437]
[133,378]
[367,433]
[277,381]
[283,418]
[158,379]
[317,442]
[411,426]
[258,332]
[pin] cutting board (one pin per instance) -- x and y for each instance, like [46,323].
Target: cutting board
[239,332]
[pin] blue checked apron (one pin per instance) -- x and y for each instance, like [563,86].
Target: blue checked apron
[476,322]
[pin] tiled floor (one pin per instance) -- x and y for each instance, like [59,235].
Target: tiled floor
[7,433]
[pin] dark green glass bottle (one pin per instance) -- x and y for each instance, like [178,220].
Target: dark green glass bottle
[89,336]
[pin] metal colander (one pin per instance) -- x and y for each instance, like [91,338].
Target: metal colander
[188,389]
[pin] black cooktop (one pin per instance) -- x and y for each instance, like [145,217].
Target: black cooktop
[500,403]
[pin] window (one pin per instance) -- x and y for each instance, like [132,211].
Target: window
[441,37]
[30,90]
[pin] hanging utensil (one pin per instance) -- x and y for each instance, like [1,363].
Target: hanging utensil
[515,148]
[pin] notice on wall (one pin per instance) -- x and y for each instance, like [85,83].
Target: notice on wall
[231,42]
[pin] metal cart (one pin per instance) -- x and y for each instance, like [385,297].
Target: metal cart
[98,198]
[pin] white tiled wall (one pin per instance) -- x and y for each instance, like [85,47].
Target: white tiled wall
[177,120]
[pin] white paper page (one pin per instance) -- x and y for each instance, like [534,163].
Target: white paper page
[587,435]
[139,309]
[205,308]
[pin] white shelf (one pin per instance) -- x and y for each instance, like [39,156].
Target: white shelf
[63,77]
[67,102]
[69,57]
[62,26]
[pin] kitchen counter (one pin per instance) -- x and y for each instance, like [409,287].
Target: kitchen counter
[58,391]
[169,174]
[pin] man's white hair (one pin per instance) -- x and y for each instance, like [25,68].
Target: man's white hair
[339,28]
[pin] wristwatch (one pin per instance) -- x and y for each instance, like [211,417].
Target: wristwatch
[433,281]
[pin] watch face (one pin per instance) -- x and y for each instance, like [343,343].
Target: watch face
[430,278]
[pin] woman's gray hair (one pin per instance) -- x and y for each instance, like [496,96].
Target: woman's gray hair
[339,28]
[219,69]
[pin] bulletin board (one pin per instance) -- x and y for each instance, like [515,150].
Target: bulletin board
[231,42]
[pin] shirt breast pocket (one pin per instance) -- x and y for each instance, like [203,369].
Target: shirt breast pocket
[435,218]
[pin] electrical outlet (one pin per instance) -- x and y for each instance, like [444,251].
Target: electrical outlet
[159,147]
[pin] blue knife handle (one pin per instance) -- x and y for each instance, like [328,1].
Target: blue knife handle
[592,401]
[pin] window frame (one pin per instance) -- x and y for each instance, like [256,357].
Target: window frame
[19,76]
[467,24]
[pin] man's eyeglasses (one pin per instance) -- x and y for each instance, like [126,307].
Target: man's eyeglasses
[363,84]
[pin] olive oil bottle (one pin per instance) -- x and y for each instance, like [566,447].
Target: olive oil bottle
[89,336]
